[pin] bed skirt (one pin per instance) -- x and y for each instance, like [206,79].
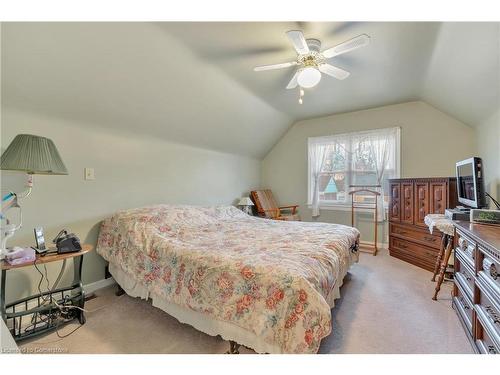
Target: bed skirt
[202,322]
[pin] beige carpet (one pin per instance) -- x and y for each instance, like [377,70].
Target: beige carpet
[386,307]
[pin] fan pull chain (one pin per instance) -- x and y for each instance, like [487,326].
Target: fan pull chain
[301,95]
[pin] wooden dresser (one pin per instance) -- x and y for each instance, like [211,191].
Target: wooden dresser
[410,200]
[476,290]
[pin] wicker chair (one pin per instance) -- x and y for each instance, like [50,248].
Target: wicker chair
[267,207]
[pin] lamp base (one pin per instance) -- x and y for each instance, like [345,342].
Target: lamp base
[7,232]
[246,209]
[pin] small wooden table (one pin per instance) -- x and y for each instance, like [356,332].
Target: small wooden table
[446,227]
[73,295]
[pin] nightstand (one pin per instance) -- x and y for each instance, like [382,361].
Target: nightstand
[45,314]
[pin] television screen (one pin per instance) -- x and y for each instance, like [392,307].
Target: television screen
[465,181]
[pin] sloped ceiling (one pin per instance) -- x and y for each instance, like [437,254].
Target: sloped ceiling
[193,83]
[464,70]
[133,76]
[388,71]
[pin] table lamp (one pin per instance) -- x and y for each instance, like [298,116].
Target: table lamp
[31,154]
[245,205]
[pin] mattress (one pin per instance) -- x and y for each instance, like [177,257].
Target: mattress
[265,284]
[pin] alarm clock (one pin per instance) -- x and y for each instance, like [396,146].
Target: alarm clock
[485,216]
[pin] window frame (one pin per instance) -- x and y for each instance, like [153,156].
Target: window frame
[346,206]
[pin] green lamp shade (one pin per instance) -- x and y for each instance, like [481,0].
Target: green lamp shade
[32,154]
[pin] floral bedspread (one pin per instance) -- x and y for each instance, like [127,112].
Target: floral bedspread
[272,278]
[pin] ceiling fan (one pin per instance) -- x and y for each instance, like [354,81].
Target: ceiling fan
[311,61]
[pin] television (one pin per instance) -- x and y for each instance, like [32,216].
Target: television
[470,187]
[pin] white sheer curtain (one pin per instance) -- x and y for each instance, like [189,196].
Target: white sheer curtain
[370,157]
[382,147]
[317,156]
[383,144]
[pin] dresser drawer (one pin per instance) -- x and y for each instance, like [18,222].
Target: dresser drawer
[463,306]
[413,233]
[487,341]
[489,271]
[477,261]
[488,307]
[417,254]
[465,276]
[486,346]
[466,247]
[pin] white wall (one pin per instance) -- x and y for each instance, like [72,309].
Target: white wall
[431,144]
[488,146]
[131,170]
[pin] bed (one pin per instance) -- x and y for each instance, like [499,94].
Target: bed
[268,285]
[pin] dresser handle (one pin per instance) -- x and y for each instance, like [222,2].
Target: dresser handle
[493,272]
[462,243]
[432,239]
[464,305]
[493,315]
[467,275]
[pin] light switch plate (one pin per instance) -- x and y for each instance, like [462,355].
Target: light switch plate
[89,174]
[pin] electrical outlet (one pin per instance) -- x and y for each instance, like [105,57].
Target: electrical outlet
[89,174]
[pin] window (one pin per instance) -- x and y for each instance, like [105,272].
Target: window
[360,158]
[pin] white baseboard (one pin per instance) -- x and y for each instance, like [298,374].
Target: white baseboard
[380,245]
[92,287]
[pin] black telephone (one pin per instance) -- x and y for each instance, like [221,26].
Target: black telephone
[67,243]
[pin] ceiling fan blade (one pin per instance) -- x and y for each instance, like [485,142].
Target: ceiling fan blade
[293,82]
[274,66]
[350,45]
[333,71]
[298,41]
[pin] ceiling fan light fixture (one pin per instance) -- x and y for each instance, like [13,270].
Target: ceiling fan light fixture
[309,77]
[312,62]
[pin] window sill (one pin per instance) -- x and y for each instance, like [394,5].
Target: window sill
[343,207]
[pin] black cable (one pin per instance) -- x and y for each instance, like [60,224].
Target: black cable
[41,280]
[45,320]
[68,334]
[39,287]
[47,278]
[494,201]
[52,315]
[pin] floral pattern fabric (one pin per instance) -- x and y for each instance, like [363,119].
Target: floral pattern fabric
[275,279]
